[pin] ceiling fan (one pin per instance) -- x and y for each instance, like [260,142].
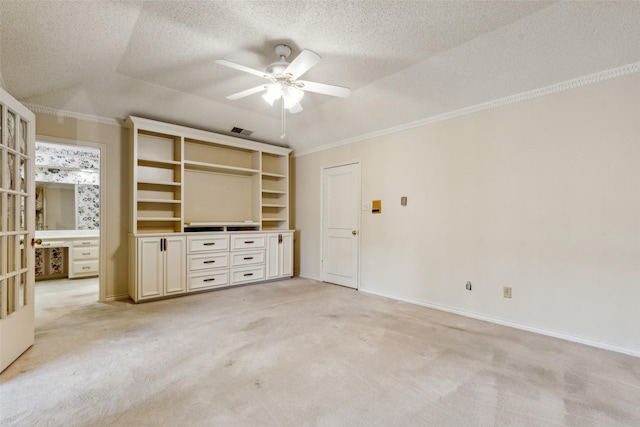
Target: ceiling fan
[283,81]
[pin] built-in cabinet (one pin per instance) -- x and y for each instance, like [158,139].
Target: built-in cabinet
[160,269]
[279,255]
[84,258]
[227,197]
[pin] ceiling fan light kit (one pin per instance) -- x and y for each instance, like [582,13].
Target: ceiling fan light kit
[284,83]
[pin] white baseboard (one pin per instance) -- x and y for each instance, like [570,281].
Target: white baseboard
[503,322]
[305,276]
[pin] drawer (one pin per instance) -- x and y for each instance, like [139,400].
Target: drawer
[240,242]
[207,261]
[208,280]
[52,244]
[208,243]
[247,258]
[88,242]
[84,253]
[83,268]
[247,275]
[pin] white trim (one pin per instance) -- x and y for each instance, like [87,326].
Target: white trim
[79,116]
[306,276]
[102,277]
[503,322]
[524,96]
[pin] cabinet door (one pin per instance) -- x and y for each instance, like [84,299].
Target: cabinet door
[273,256]
[175,265]
[286,255]
[150,268]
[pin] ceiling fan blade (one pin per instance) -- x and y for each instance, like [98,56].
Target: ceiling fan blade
[296,109]
[242,68]
[302,63]
[324,89]
[247,92]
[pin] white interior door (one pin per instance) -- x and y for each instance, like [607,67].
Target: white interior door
[17,223]
[341,224]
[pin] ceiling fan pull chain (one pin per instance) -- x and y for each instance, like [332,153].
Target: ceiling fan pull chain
[283,134]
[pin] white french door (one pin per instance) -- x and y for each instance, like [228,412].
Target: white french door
[17,223]
[340,224]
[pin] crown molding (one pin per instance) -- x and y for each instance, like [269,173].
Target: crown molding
[512,99]
[78,116]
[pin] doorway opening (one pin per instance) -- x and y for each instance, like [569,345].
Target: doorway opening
[69,190]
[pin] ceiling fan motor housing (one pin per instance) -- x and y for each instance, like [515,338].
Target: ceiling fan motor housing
[277,68]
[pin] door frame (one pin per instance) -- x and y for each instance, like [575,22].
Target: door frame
[359,225]
[102,297]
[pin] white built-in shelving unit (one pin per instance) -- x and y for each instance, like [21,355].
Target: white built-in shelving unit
[191,182]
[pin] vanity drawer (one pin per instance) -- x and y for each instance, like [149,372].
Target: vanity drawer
[247,258]
[83,268]
[241,242]
[52,244]
[84,253]
[247,275]
[207,261]
[208,280]
[207,243]
[88,242]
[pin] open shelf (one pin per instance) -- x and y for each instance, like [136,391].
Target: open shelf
[158,163]
[157,219]
[274,175]
[210,167]
[157,201]
[184,178]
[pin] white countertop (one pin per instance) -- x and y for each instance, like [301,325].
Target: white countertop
[66,234]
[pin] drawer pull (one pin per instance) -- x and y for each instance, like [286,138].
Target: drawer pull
[208,262]
[86,253]
[86,268]
[249,241]
[248,257]
[45,244]
[248,274]
[209,243]
[209,280]
[86,243]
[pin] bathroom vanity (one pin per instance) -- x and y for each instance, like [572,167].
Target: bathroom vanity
[67,253]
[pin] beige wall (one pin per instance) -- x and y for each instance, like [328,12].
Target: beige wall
[114,227]
[541,195]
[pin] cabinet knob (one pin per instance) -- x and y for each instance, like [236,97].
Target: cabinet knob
[354,232]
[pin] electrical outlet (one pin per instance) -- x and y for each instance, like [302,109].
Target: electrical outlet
[468,286]
[506,291]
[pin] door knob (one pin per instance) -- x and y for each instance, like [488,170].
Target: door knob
[36,242]
[354,232]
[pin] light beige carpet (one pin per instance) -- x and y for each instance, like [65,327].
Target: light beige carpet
[301,353]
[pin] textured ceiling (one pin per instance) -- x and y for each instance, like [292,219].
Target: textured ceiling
[404,61]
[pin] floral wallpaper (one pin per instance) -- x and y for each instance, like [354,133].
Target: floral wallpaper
[52,174]
[50,262]
[67,156]
[87,207]
[73,165]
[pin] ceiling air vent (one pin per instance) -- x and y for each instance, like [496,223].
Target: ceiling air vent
[241,131]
